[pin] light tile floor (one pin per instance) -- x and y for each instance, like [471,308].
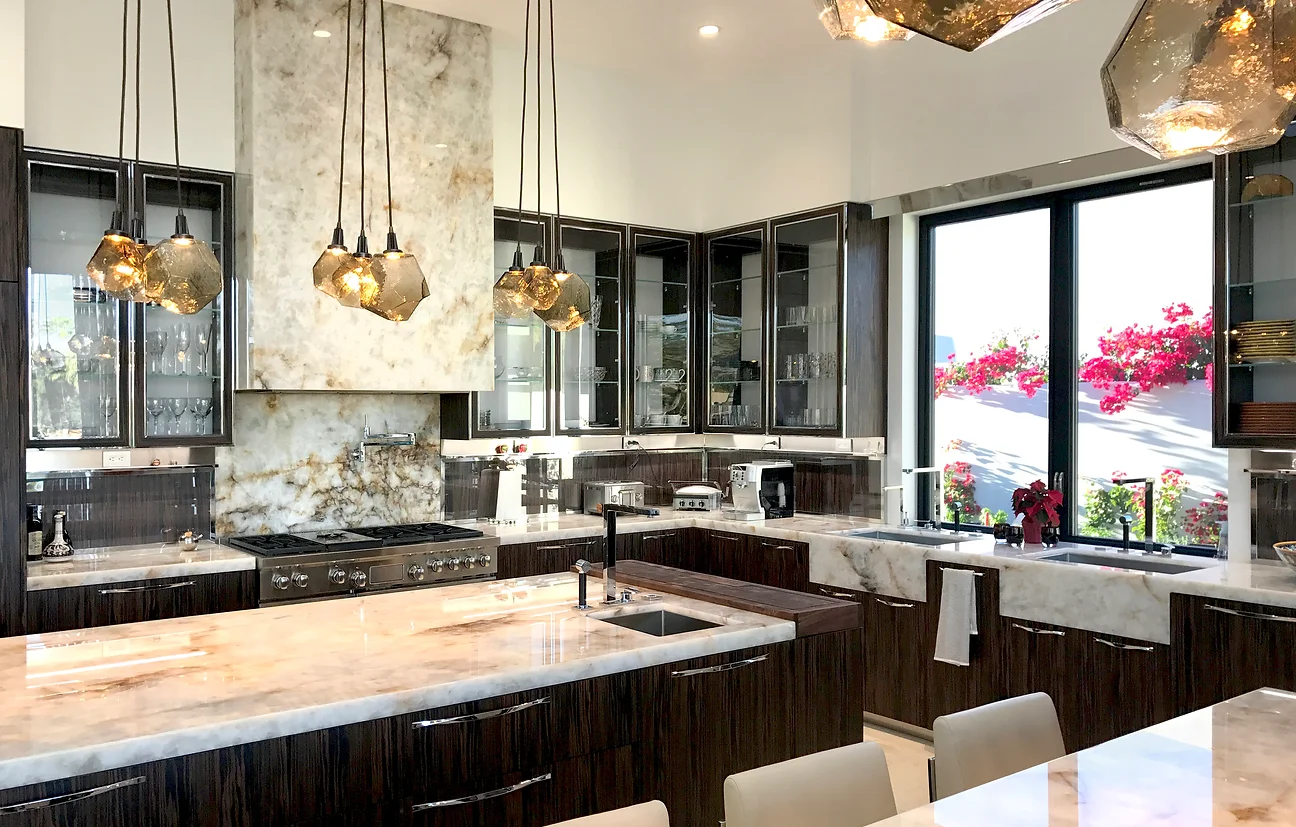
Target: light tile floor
[907,764]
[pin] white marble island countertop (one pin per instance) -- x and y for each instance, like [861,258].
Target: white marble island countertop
[94,699]
[118,564]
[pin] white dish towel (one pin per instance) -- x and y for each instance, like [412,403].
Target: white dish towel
[958,620]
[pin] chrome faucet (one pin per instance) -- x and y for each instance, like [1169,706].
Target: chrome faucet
[1150,545]
[582,569]
[371,440]
[610,512]
[937,504]
[904,518]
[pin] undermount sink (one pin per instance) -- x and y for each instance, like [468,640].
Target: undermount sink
[1151,565]
[659,622]
[906,537]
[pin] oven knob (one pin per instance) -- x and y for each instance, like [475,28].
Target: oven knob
[484,560]
[434,563]
[417,572]
[300,579]
[279,581]
[452,563]
[337,576]
[359,579]
[469,561]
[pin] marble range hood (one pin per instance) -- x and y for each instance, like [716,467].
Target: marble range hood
[288,105]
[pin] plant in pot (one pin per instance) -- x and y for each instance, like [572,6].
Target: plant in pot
[1038,507]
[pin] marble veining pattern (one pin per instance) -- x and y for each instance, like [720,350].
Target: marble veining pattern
[289,107]
[175,687]
[117,564]
[291,469]
[1225,764]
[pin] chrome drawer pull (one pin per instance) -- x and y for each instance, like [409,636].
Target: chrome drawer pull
[481,716]
[470,799]
[656,536]
[726,667]
[778,547]
[726,539]
[1035,631]
[1125,647]
[842,595]
[566,546]
[893,604]
[68,798]
[161,587]
[1252,615]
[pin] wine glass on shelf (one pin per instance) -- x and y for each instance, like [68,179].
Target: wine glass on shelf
[202,344]
[202,409]
[154,408]
[183,340]
[108,408]
[178,406]
[155,343]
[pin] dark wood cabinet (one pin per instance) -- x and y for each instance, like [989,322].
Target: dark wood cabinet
[1041,657]
[106,604]
[955,688]
[661,547]
[553,557]
[1224,648]
[769,561]
[671,732]
[897,638]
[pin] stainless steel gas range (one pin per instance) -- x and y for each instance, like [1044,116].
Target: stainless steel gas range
[316,565]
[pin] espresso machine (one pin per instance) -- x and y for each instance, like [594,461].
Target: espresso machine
[762,490]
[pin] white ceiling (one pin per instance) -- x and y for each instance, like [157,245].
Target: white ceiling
[661,36]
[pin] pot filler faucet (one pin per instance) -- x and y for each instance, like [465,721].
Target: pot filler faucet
[1149,516]
[610,512]
[937,475]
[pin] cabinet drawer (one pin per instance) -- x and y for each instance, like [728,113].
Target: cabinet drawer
[106,604]
[103,799]
[534,559]
[1226,648]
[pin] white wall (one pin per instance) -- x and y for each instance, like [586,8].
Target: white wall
[12,47]
[73,78]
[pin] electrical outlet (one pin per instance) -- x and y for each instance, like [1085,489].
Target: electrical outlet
[116,459]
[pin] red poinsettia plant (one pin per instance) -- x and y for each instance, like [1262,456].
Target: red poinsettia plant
[1038,503]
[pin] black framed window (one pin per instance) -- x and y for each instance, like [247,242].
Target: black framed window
[1068,337]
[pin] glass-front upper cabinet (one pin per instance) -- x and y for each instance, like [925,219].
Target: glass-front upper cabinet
[661,344]
[590,358]
[736,330]
[183,367]
[1255,293]
[519,404]
[78,359]
[807,297]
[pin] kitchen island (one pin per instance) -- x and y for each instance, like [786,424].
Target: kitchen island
[384,709]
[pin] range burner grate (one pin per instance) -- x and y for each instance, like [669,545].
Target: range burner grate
[272,545]
[396,535]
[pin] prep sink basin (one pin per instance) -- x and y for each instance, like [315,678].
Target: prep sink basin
[659,622]
[1151,565]
[906,537]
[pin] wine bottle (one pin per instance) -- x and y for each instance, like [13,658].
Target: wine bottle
[35,532]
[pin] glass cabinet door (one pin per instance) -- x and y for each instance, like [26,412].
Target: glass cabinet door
[807,290]
[590,357]
[1259,329]
[736,331]
[182,375]
[661,347]
[77,371]
[519,404]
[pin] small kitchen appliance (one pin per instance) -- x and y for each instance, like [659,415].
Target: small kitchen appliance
[697,496]
[763,488]
[612,492]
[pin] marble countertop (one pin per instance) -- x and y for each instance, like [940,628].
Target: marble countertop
[1225,764]
[110,697]
[1106,600]
[117,564]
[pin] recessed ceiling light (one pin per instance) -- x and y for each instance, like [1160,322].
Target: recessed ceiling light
[441,146]
[709,31]
[1067,161]
[322,33]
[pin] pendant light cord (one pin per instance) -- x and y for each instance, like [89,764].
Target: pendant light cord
[175,113]
[121,123]
[553,82]
[364,101]
[526,77]
[544,253]
[346,91]
[138,211]
[382,34]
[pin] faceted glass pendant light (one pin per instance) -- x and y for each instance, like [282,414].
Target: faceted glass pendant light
[399,284]
[854,20]
[1195,75]
[354,283]
[969,24]
[328,265]
[572,308]
[542,287]
[510,294]
[117,266]
[181,273]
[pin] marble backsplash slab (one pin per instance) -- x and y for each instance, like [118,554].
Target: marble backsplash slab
[288,111]
[291,469]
